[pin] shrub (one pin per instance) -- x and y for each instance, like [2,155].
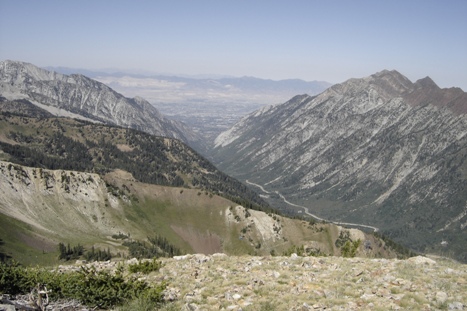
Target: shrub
[145,267]
[89,286]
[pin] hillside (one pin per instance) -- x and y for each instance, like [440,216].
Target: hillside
[81,97]
[41,208]
[71,181]
[63,143]
[380,151]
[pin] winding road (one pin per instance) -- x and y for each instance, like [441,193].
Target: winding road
[306,210]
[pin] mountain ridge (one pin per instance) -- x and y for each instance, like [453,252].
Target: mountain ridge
[379,149]
[81,95]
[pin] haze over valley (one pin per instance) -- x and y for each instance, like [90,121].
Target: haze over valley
[209,105]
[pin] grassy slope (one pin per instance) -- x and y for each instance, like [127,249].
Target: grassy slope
[192,220]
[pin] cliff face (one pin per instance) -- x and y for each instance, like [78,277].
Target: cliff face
[379,151]
[88,98]
[57,202]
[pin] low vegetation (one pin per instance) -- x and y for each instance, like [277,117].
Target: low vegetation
[101,289]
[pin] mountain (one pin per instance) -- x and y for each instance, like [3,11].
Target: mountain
[71,181]
[79,96]
[71,144]
[209,105]
[165,88]
[380,151]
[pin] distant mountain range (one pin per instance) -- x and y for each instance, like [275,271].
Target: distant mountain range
[208,104]
[79,96]
[380,151]
[164,88]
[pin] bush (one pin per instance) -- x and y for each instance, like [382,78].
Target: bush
[90,287]
[145,267]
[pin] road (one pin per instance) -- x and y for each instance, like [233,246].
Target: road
[306,210]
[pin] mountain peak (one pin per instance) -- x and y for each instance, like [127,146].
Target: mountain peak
[426,82]
[87,97]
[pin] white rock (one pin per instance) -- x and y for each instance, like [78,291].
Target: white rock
[441,297]
[418,260]
[236,296]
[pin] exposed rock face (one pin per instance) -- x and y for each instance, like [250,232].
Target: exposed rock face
[88,98]
[379,150]
[56,201]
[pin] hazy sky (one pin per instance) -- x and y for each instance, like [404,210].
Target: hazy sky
[311,40]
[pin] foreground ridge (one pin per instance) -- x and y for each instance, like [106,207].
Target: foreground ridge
[221,282]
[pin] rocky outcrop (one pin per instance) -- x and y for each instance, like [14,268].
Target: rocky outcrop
[88,98]
[59,202]
[383,150]
[221,282]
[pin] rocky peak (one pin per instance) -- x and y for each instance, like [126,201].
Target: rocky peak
[426,82]
[380,142]
[14,71]
[81,95]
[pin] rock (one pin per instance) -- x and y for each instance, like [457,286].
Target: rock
[367,296]
[7,308]
[200,258]
[236,296]
[190,307]
[132,261]
[441,297]
[419,260]
[449,271]
[456,306]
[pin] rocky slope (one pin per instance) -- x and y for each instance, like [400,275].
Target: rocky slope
[40,208]
[84,97]
[380,151]
[221,282]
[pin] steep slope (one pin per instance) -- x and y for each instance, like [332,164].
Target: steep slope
[87,98]
[380,151]
[63,143]
[74,181]
[40,208]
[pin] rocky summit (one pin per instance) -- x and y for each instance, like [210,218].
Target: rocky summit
[221,282]
[380,151]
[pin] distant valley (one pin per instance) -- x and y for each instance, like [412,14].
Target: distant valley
[208,105]
[380,151]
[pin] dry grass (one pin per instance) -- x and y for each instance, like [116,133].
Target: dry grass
[334,283]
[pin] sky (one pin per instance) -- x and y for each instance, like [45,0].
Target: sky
[327,40]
